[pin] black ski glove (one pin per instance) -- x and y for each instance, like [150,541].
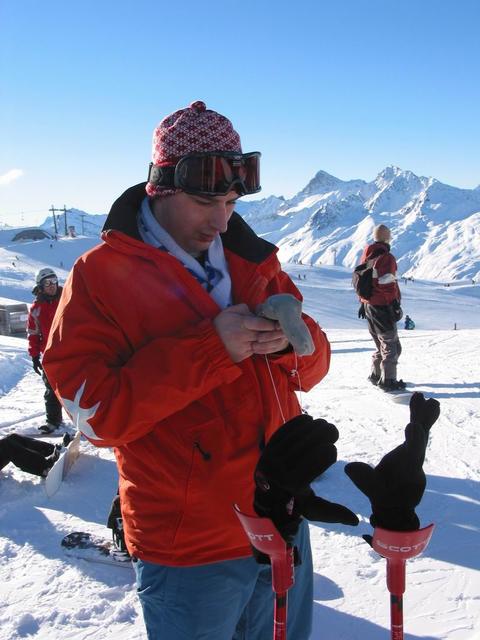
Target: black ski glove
[37,367]
[361,311]
[397,311]
[396,485]
[296,454]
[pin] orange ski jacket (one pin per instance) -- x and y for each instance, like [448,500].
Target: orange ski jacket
[144,371]
[40,318]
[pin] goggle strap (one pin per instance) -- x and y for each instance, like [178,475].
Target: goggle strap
[161,176]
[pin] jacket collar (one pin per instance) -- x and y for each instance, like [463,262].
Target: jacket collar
[381,245]
[239,238]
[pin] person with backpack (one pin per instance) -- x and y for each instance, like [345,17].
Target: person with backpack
[47,295]
[168,362]
[375,280]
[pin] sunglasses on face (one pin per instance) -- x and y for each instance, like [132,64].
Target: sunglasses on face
[49,282]
[211,174]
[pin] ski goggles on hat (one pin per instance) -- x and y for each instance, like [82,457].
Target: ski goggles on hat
[48,282]
[210,174]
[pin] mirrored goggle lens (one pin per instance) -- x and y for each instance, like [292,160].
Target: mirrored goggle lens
[49,282]
[217,174]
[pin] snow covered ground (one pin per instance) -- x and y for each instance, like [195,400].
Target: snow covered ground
[45,595]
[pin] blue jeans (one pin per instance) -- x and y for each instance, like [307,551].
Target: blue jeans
[231,600]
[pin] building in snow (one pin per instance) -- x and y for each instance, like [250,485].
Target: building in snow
[32,234]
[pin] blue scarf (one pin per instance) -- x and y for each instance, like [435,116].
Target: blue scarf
[213,274]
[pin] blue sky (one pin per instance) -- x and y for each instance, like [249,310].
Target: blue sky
[347,87]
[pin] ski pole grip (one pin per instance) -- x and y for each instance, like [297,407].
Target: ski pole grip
[265,537]
[397,547]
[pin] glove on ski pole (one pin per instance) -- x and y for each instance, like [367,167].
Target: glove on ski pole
[301,450]
[396,485]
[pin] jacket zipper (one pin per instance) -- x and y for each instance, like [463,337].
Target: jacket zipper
[205,454]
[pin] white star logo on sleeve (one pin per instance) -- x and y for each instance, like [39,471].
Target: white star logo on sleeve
[79,416]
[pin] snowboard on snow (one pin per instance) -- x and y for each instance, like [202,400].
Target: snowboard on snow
[400,396]
[62,465]
[92,548]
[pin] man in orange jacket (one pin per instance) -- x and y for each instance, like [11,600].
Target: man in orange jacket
[167,362]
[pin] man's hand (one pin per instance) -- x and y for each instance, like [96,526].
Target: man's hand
[37,367]
[300,451]
[270,341]
[244,333]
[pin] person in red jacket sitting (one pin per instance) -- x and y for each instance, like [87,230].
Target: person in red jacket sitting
[47,294]
[382,311]
[168,362]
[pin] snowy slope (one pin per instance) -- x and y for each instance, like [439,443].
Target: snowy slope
[19,261]
[47,596]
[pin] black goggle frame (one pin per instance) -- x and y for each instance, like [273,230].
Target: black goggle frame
[205,173]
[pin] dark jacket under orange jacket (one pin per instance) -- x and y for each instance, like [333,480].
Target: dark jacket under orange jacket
[144,370]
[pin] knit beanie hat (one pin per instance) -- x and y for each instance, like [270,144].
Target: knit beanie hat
[381,233]
[192,130]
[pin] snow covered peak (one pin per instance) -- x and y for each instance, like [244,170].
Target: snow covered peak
[390,172]
[323,185]
[259,209]
[393,176]
[395,189]
[322,182]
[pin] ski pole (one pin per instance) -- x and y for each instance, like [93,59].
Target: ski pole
[397,547]
[264,536]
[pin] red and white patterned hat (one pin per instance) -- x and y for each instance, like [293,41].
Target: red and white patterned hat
[192,130]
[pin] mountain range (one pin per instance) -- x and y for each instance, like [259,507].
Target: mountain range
[435,226]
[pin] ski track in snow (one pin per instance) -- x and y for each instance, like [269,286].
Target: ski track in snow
[45,595]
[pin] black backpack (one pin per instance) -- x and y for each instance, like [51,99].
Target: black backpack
[362,277]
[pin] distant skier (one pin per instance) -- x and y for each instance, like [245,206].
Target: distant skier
[382,311]
[40,318]
[409,323]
